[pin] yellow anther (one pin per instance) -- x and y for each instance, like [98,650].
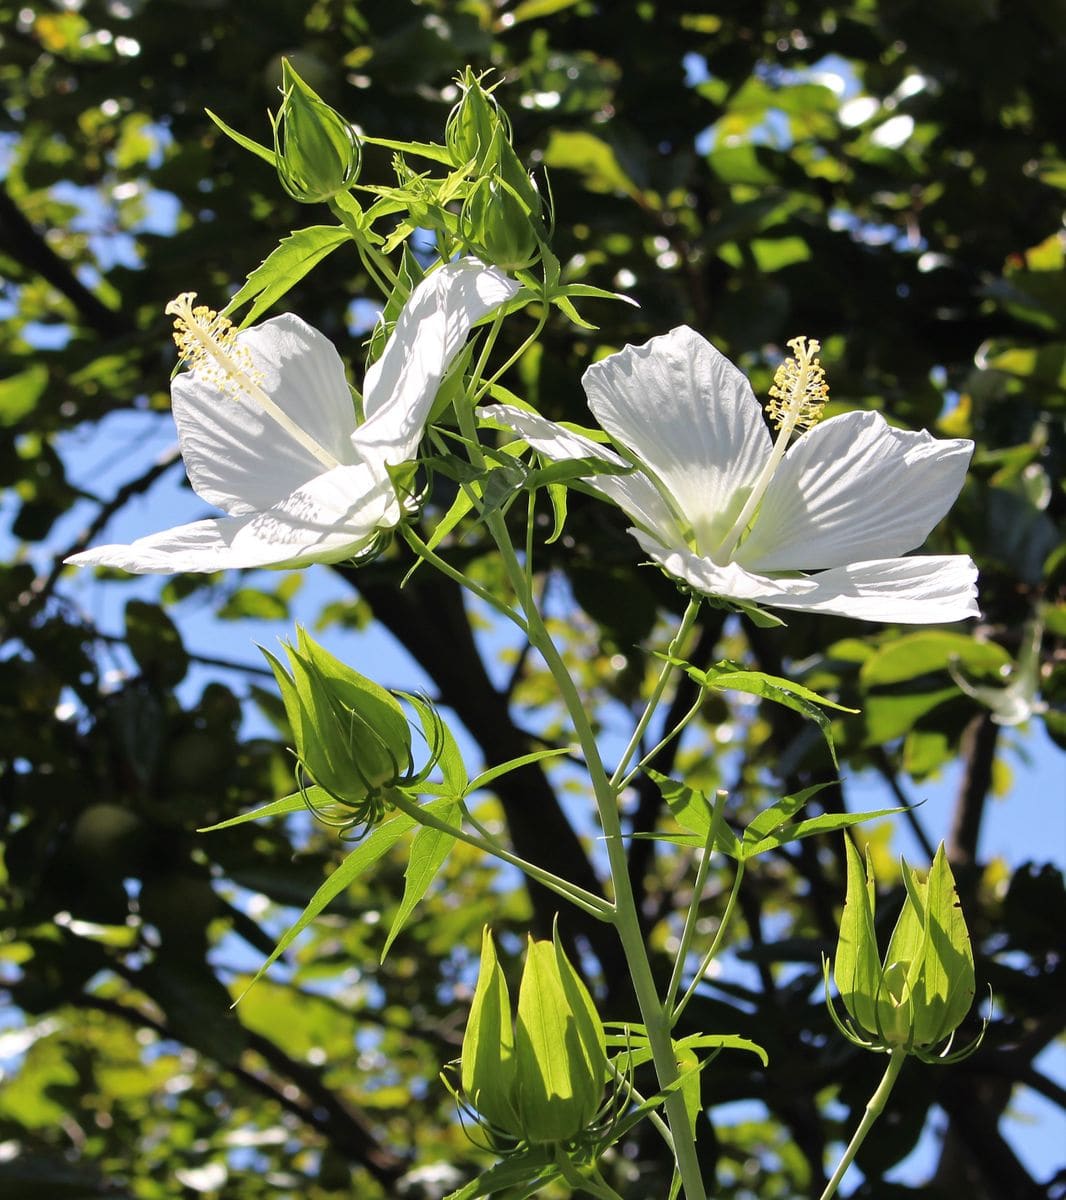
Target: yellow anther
[799,392]
[207,343]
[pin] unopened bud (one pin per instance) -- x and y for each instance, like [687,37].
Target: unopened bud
[919,994]
[318,152]
[472,124]
[352,737]
[543,1082]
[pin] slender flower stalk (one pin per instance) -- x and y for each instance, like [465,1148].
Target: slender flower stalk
[875,1106]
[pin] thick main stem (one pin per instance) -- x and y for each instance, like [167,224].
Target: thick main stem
[874,1107]
[655,1017]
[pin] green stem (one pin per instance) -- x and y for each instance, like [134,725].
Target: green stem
[624,913]
[593,905]
[689,930]
[874,1107]
[665,740]
[424,552]
[708,958]
[590,1181]
[674,649]
[625,917]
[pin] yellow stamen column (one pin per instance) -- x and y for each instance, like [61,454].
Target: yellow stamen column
[209,344]
[797,398]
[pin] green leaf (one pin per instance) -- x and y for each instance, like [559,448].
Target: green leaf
[530,10]
[917,654]
[428,851]
[154,641]
[278,808]
[694,812]
[493,773]
[725,676]
[19,393]
[284,267]
[826,823]
[241,139]
[431,150]
[374,846]
[528,1171]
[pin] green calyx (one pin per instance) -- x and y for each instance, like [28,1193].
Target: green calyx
[542,1080]
[317,151]
[352,737]
[916,997]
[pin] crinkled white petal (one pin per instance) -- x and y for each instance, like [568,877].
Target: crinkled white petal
[634,493]
[689,415]
[853,487]
[730,581]
[432,327]
[329,518]
[236,456]
[920,590]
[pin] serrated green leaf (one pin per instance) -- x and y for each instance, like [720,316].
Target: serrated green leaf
[512,764]
[528,1171]
[284,267]
[724,676]
[826,823]
[431,150]
[694,812]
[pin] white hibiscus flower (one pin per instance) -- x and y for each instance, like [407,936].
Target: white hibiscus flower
[268,431]
[733,513]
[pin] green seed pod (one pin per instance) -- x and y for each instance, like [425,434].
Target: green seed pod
[920,993]
[318,152]
[352,736]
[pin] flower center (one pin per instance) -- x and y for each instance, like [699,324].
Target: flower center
[797,398]
[208,343]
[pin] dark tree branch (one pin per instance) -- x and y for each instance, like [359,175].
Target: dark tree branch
[429,619]
[319,1108]
[26,246]
[979,743]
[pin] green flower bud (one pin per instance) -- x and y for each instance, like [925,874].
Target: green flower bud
[496,224]
[318,153]
[920,993]
[542,1082]
[352,736]
[473,122]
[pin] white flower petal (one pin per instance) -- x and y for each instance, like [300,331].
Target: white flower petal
[731,581]
[690,416]
[330,518]
[430,331]
[853,487]
[634,493]
[236,456]
[921,590]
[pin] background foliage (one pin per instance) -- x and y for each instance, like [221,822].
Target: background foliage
[888,177]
